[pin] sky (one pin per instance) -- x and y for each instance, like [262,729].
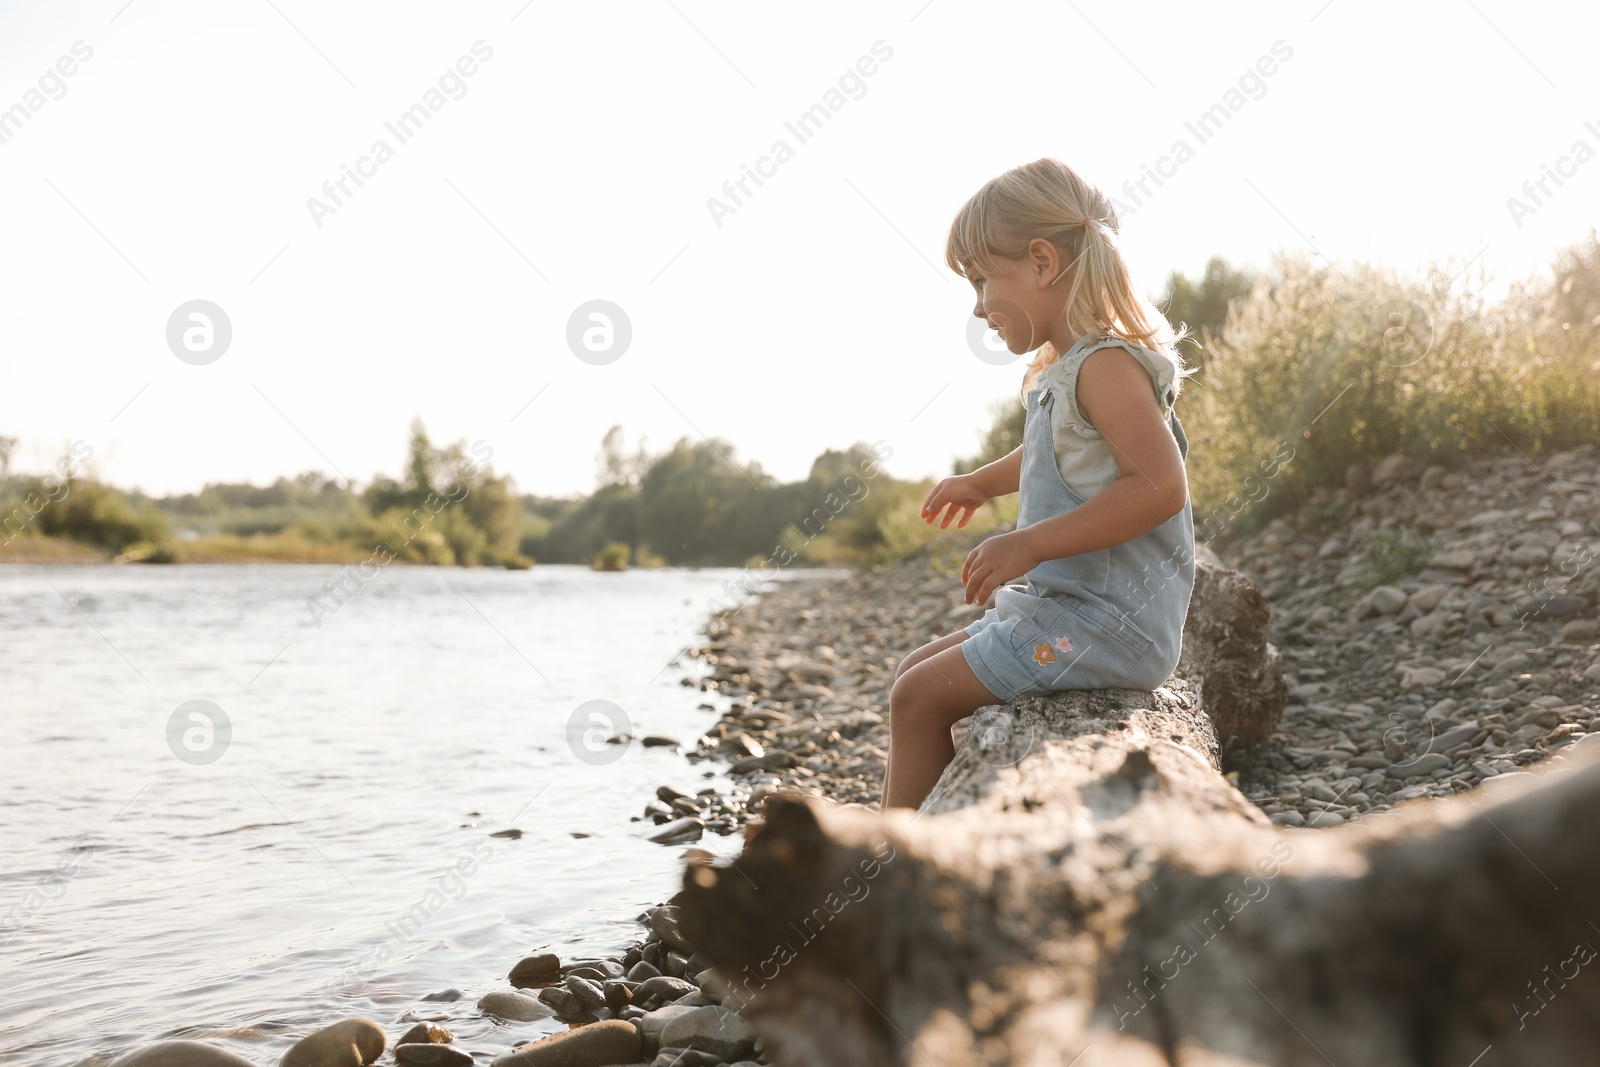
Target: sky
[561,154]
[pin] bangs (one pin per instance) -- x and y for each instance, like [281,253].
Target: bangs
[969,250]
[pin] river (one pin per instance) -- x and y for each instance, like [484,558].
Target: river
[232,816]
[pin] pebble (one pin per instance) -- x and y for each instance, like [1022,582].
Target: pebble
[1413,687]
[513,1006]
[180,1054]
[720,1031]
[610,1041]
[540,969]
[429,1055]
[347,1043]
[676,832]
[425,1034]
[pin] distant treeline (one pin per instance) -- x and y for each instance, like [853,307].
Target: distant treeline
[1303,371]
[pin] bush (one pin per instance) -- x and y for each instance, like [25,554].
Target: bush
[83,510]
[613,557]
[1318,369]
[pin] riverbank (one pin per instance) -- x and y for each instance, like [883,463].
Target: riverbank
[1438,628]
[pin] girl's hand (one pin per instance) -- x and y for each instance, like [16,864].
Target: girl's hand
[995,562]
[960,493]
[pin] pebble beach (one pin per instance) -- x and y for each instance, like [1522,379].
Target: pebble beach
[1476,662]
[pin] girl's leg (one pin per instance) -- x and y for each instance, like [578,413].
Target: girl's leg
[931,648]
[926,701]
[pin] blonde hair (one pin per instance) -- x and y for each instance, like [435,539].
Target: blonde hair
[1047,199]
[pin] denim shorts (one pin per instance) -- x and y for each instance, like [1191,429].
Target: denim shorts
[1030,645]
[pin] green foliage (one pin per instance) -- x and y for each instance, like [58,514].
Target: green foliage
[1203,306]
[613,557]
[1338,367]
[83,510]
[1394,555]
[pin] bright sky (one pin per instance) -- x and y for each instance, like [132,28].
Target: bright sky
[575,163]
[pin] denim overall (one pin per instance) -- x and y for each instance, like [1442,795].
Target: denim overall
[1111,618]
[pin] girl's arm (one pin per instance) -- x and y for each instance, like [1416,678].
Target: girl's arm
[963,494]
[1001,477]
[1114,392]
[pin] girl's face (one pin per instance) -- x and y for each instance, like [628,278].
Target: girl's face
[1018,300]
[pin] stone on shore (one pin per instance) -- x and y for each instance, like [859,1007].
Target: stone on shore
[425,1034]
[540,969]
[424,1054]
[180,1054]
[347,1043]
[513,1006]
[720,1031]
[601,1044]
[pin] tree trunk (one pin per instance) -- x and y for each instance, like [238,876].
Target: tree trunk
[1082,886]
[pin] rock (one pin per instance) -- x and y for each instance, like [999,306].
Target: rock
[423,1054]
[541,969]
[665,988]
[1425,764]
[619,995]
[1579,632]
[1453,738]
[1323,819]
[610,1041]
[1556,606]
[664,921]
[1387,599]
[513,1006]
[1546,718]
[1289,818]
[715,1029]
[642,970]
[445,995]
[652,1023]
[1454,559]
[425,1034]
[347,1043]
[660,741]
[1420,677]
[1396,468]
[513,834]
[1427,598]
[560,999]
[1357,479]
[180,1054]
[684,1057]
[679,831]
[589,994]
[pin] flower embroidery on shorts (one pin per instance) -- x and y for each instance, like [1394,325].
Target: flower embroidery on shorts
[1064,643]
[1043,654]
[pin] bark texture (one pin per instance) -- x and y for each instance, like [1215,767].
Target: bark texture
[1083,887]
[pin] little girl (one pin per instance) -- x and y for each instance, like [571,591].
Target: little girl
[1105,534]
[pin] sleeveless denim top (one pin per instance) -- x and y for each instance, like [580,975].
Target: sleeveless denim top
[1136,593]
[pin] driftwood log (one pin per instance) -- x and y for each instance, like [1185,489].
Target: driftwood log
[1083,886]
